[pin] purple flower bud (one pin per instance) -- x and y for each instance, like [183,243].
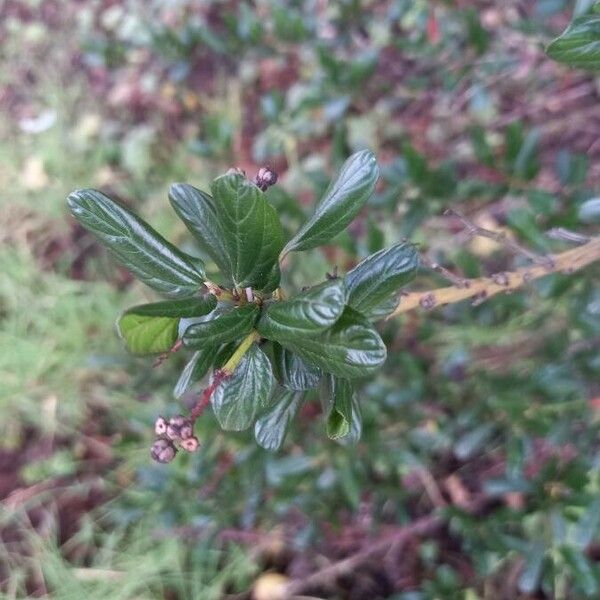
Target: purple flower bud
[160,426]
[265,178]
[163,451]
[190,444]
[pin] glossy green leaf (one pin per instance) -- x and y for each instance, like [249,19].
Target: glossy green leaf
[342,201]
[271,428]
[197,210]
[350,348]
[273,280]
[147,334]
[306,313]
[252,233]
[292,372]
[353,436]
[579,45]
[150,257]
[339,393]
[238,399]
[181,309]
[194,370]
[224,328]
[375,279]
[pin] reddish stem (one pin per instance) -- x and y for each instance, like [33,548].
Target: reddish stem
[218,376]
[161,359]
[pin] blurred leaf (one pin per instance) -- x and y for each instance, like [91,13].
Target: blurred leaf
[588,525]
[579,45]
[479,37]
[529,580]
[136,245]
[342,201]
[589,211]
[224,328]
[270,429]
[238,399]
[471,442]
[582,570]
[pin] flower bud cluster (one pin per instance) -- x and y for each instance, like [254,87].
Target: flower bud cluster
[177,432]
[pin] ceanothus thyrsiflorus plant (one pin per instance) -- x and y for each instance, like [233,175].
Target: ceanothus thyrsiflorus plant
[264,347]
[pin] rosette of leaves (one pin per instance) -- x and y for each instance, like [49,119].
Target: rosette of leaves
[271,346]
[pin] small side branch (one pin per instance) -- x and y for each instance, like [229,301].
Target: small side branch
[425,526]
[501,238]
[482,288]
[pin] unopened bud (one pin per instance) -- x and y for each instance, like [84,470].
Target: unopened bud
[160,426]
[236,171]
[179,427]
[265,178]
[190,444]
[163,451]
[186,431]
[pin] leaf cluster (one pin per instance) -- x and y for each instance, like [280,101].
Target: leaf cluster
[319,338]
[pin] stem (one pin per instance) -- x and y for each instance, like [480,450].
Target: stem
[482,288]
[230,366]
[218,291]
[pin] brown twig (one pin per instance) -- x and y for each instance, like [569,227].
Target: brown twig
[451,277]
[425,526]
[482,288]
[501,238]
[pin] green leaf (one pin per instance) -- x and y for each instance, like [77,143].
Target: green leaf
[273,279]
[306,313]
[350,348]
[579,45]
[146,334]
[252,233]
[374,280]
[151,328]
[342,201]
[339,416]
[238,399]
[197,210]
[582,570]
[150,257]
[292,372]
[529,580]
[226,327]
[195,370]
[271,428]
[589,211]
[355,432]
[181,309]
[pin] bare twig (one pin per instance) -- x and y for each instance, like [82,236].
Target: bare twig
[501,238]
[481,288]
[459,282]
[566,235]
[425,526]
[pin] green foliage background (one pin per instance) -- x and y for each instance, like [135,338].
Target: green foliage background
[463,109]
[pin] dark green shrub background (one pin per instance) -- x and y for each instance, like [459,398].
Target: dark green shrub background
[463,109]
